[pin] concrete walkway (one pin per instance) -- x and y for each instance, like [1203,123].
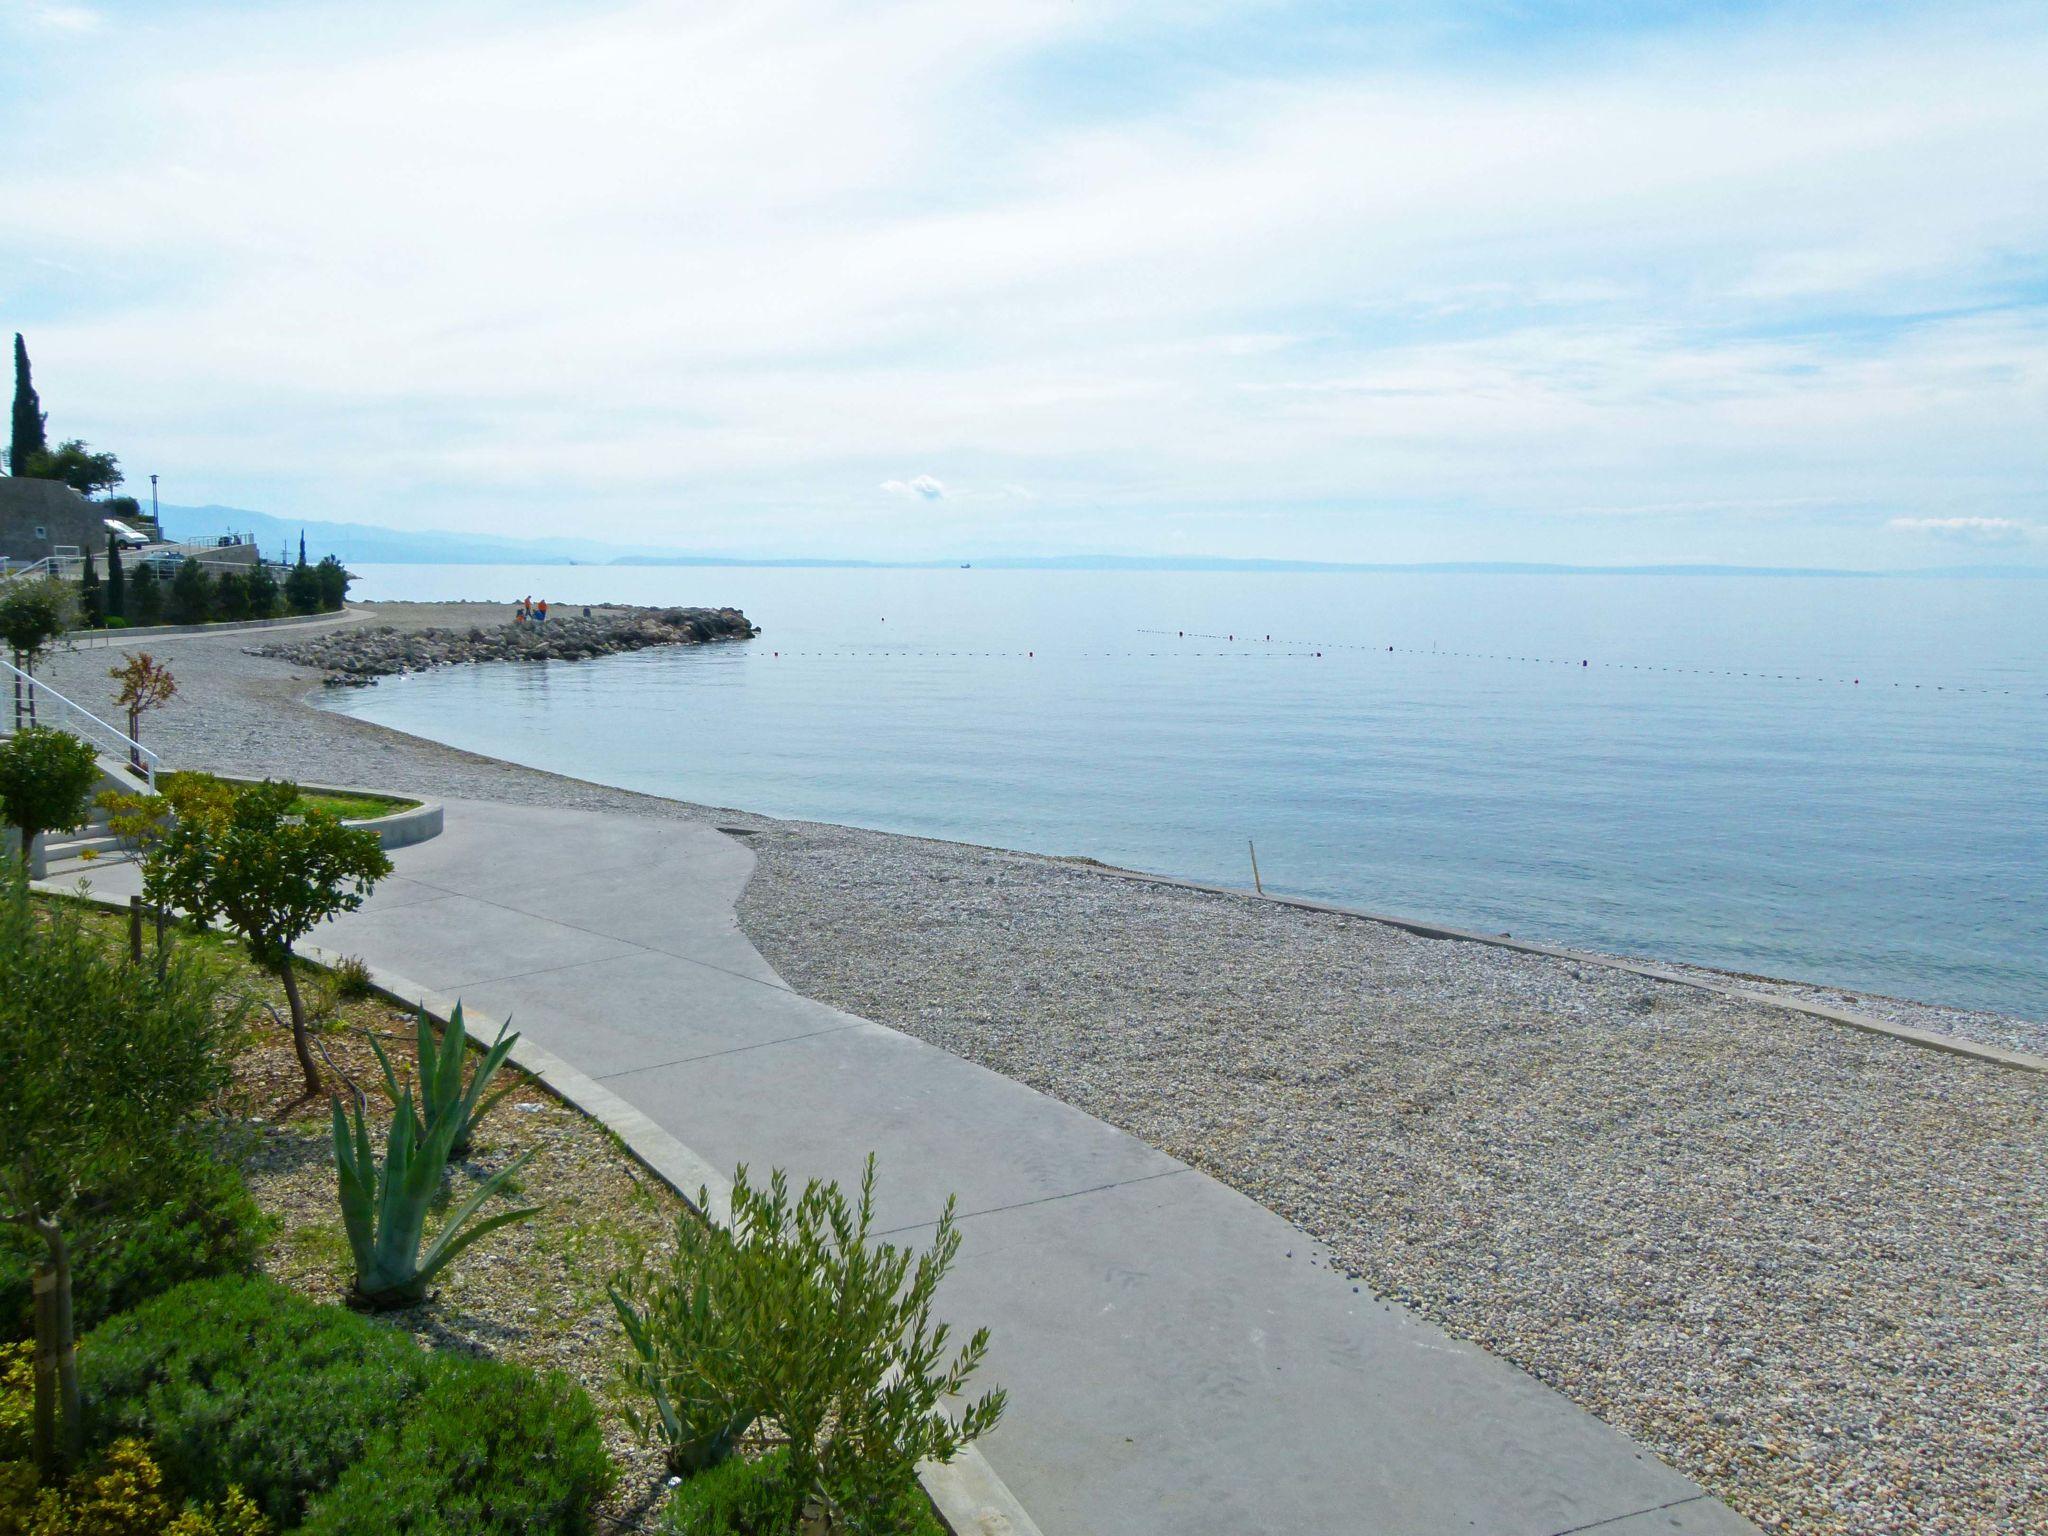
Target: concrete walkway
[1179,1359]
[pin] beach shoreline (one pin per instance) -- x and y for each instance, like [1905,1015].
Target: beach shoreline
[1788,1257]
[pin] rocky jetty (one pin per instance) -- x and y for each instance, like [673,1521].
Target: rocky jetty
[360,654]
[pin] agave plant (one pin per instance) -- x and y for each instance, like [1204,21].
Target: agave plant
[385,1208]
[442,1091]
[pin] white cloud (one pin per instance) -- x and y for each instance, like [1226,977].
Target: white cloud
[757,257]
[54,16]
[1971,530]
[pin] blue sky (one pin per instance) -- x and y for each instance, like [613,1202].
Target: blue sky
[1595,282]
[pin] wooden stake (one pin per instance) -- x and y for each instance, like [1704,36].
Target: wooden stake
[1255,866]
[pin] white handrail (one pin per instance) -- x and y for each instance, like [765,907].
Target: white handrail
[110,735]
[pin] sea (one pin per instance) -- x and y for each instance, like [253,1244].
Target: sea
[1832,779]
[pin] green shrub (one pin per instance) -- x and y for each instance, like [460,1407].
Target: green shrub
[115,621]
[752,1498]
[734,1498]
[122,1493]
[801,1315]
[243,1382]
[187,1217]
[352,977]
[45,776]
[489,1449]
[17,1399]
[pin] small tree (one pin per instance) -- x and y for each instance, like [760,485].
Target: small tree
[231,596]
[91,606]
[334,579]
[74,463]
[103,1067]
[147,604]
[268,872]
[34,616]
[262,592]
[117,580]
[191,595]
[46,776]
[146,684]
[302,589]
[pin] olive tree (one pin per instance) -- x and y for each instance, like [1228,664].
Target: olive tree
[254,862]
[104,1066]
[46,776]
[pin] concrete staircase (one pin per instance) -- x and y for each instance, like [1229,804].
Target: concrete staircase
[95,845]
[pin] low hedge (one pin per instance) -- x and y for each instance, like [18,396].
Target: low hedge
[319,1414]
[189,1218]
[244,1383]
[489,1449]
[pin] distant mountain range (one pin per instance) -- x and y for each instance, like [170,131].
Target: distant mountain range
[367,544]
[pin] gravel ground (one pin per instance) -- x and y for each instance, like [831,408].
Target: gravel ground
[1804,1264]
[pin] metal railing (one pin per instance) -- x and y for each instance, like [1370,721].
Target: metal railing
[35,700]
[46,566]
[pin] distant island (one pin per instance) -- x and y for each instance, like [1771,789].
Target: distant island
[366,543]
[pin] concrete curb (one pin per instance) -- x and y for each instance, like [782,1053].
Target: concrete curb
[401,829]
[1954,1045]
[108,638]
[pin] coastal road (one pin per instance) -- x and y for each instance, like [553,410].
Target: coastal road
[1179,1359]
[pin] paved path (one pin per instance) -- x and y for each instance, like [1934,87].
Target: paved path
[1179,1359]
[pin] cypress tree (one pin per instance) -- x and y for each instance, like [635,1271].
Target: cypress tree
[89,608]
[302,546]
[262,588]
[149,596]
[231,596]
[117,580]
[191,599]
[334,579]
[302,590]
[29,419]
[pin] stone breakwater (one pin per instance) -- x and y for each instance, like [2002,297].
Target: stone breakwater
[359,655]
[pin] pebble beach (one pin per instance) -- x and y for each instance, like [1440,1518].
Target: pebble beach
[1806,1265]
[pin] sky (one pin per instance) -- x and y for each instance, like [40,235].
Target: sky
[1601,281]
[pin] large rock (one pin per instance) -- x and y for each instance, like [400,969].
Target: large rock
[359,655]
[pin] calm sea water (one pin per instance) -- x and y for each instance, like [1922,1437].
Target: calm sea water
[1833,779]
